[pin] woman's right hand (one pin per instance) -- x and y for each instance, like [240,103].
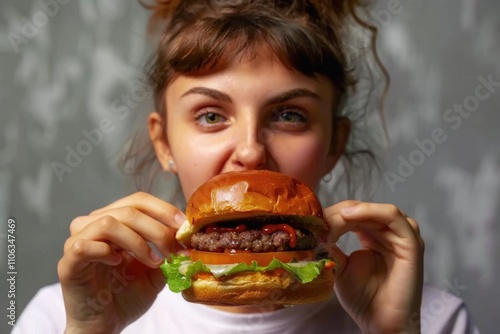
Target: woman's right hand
[109,274]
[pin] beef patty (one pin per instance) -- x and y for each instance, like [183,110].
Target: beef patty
[251,240]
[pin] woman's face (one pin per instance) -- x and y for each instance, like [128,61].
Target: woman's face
[251,115]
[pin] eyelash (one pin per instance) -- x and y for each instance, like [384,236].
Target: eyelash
[296,112]
[201,121]
[299,118]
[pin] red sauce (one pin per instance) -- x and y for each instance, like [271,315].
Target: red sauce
[268,229]
[239,228]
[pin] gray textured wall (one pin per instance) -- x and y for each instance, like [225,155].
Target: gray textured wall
[78,69]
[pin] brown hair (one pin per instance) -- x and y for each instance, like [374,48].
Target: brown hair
[313,37]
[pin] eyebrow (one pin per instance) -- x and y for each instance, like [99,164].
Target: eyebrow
[213,93]
[292,94]
[280,98]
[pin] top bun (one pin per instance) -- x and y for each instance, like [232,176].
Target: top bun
[236,195]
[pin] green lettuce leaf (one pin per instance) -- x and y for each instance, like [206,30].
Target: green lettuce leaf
[179,271]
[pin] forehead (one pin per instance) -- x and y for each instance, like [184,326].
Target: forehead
[259,76]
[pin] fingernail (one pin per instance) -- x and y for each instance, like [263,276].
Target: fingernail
[179,219]
[349,210]
[155,257]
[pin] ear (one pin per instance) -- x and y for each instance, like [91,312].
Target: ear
[340,136]
[157,134]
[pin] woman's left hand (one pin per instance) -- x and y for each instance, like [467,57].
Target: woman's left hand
[380,285]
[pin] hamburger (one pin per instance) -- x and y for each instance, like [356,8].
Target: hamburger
[254,238]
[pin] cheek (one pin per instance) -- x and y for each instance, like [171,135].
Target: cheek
[302,157]
[202,155]
[197,158]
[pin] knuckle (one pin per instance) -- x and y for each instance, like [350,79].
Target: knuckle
[393,211]
[141,195]
[163,233]
[164,236]
[107,223]
[79,247]
[140,244]
[129,211]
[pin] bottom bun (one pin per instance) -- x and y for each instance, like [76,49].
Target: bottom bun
[259,288]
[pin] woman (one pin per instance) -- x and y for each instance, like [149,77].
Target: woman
[242,85]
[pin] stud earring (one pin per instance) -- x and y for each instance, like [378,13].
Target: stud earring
[327,178]
[171,165]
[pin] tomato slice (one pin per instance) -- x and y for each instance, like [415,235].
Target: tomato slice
[263,259]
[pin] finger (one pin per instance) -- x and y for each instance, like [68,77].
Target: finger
[336,208]
[111,230]
[79,223]
[414,225]
[335,220]
[163,237]
[412,222]
[340,226]
[150,205]
[371,234]
[82,252]
[387,214]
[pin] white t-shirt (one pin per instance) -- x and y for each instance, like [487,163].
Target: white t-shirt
[441,313]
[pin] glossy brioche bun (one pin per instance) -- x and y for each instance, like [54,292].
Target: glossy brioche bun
[259,288]
[252,193]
